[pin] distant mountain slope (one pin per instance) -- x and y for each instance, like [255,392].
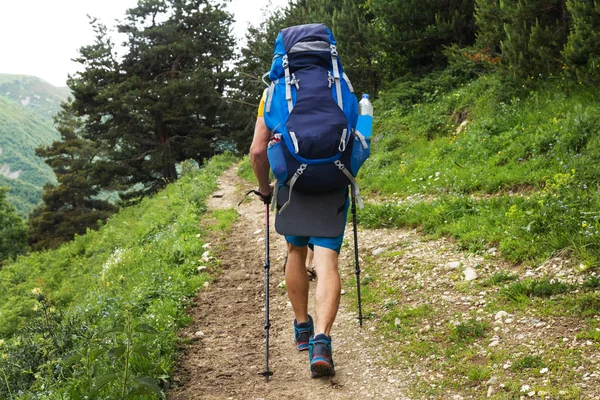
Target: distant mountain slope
[33,93]
[27,105]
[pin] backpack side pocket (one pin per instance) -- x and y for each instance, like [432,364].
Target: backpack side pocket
[361,150]
[277,159]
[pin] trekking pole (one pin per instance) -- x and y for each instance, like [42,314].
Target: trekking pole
[357,270]
[267,373]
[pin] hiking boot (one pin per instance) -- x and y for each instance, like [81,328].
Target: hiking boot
[319,354]
[302,333]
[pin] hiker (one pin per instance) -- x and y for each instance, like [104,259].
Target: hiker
[305,133]
[307,333]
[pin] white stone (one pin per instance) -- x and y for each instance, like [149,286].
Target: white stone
[494,343]
[493,380]
[490,392]
[397,322]
[500,315]
[543,370]
[470,274]
[453,265]
[206,245]
[509,320]
[378,251]
[199,334]
[256,232]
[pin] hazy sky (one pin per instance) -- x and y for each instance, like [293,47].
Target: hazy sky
[40,37]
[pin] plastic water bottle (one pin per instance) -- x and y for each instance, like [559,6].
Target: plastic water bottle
[365,117]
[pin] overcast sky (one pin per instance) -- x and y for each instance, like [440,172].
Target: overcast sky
[40,37]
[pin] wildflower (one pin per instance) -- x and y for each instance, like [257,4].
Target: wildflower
[107,283]
[121,278]
[584,224]
[1,342]
[36,291]
[499,152]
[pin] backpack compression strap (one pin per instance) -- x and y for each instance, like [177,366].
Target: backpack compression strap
[336,76]
[353,183]
[292,182]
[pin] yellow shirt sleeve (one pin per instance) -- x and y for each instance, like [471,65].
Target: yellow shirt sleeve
[261,106]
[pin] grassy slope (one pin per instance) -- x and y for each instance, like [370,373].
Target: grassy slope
[521,176]
[544,144]
[139,270]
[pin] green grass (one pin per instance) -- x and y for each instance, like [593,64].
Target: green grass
[543,145]
[245,170]
[528,362]
[520,291]
[102,312]
[469,330]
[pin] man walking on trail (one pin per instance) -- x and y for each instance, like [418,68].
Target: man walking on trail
[308,334]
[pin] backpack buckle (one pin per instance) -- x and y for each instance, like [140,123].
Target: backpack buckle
[334,52]
[284,61]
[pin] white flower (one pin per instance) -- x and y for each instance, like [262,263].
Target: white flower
[525,388]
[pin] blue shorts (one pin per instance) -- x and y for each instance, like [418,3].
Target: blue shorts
[334,243]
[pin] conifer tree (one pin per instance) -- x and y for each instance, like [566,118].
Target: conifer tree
[72,206]
[164,100]
[13,232]
[582,51]
[527,34]
[413,33]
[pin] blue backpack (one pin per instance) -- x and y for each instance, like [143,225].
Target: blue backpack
[311,111]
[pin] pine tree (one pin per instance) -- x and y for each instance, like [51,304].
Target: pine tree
[527,34]
[413,33]
[352,24]
[72,206]
[582,51]
[13,232]
[164,100]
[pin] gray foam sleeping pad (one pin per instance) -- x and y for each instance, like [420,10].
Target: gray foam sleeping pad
[320,215]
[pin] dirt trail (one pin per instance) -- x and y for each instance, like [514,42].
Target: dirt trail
[226,351]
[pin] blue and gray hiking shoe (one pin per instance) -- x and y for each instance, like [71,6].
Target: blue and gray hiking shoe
[302,333]
[319,354]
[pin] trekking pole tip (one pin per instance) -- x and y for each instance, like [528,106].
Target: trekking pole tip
[266,374]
